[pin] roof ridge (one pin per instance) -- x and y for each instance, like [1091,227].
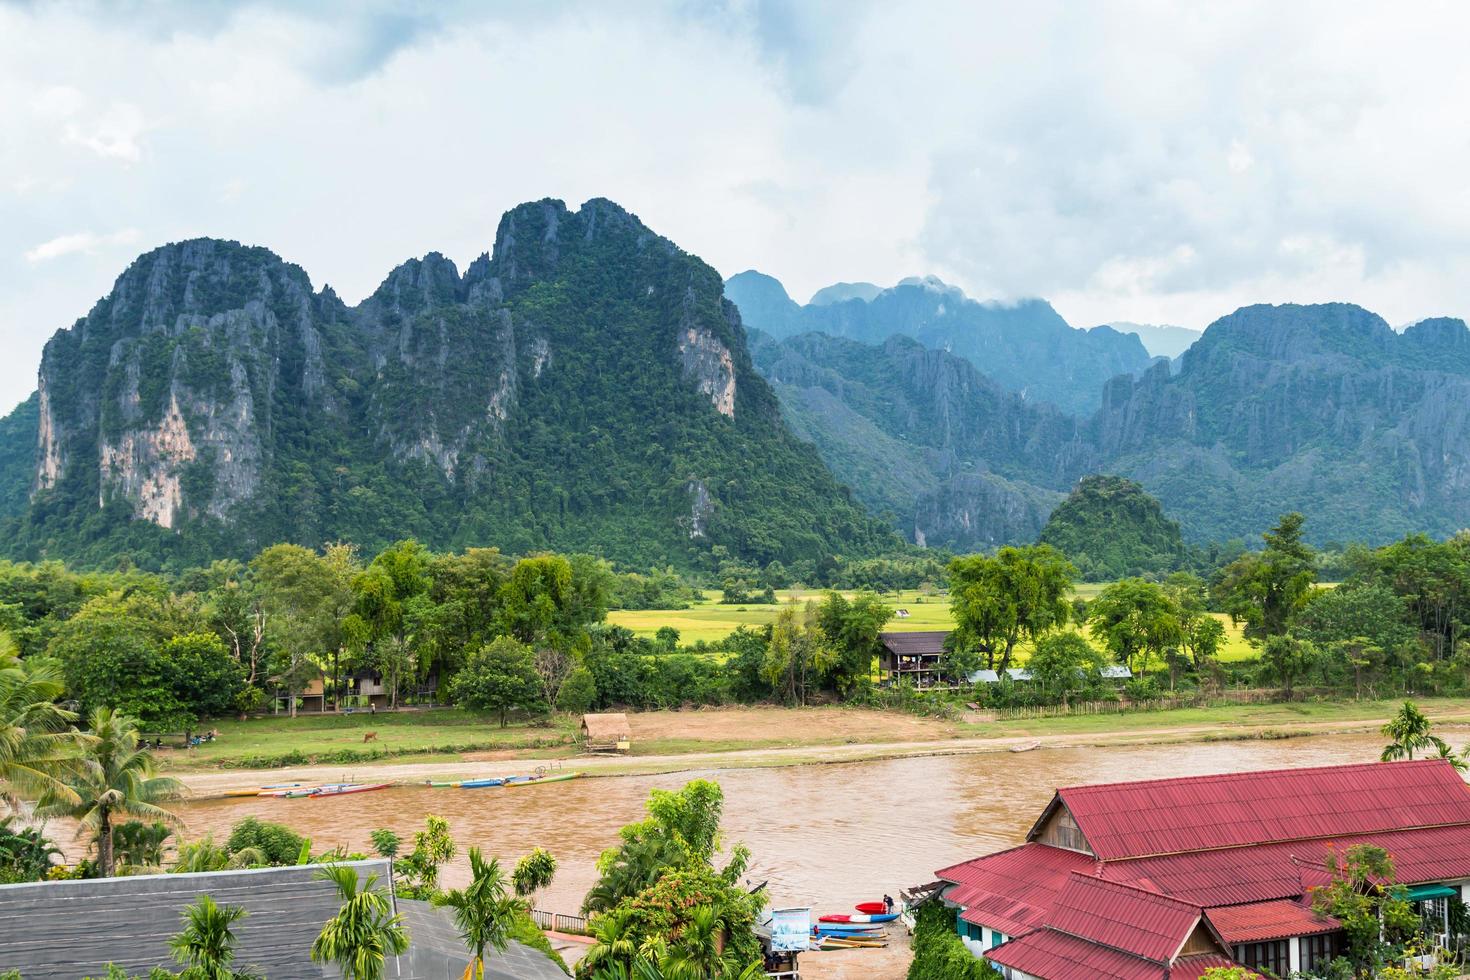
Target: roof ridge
[1283,840]
[1097,942]
[1130,886]
[1246,774]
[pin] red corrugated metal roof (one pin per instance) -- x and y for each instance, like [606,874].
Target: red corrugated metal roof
[1268,920]
[1012,890]
[1270,871]
[1167,816]
[1054,955]
[1124,917]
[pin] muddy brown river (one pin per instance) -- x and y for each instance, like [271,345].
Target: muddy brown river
[823,835]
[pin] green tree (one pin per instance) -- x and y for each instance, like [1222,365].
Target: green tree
[306,598]
[499,677]
[140,845]
[1064,663]
[578,692]
[206,946]
[386,842]
[207,680]
[796,653]
[1021,593]
[116,778]
[1374,913]
[1135,621]
[38,749]
[851,628]
[667,638]
[533,872]
[1265,589]
[1409,731]
[1286,660]
[483,911]
[364,932]
[433,847]
[537,601]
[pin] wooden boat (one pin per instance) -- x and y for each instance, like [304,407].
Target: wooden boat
[243,792]
[871,907]
[833,944]
[481,783]
[860,917]
[349,788]
[1028,747]
[445,785]
[532,780]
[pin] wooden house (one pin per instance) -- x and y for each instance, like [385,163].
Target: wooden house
[606,733]
[913,657]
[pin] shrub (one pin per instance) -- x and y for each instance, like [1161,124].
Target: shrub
[280,844]
[939,954]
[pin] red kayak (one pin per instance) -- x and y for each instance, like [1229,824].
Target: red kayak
[871,907]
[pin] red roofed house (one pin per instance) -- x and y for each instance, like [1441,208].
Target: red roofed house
[1167,878]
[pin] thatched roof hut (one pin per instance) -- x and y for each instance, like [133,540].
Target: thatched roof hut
[606,733]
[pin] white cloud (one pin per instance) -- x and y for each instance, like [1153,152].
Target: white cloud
[82,241]
[1129,160]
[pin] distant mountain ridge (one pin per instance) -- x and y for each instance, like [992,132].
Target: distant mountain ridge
[1161,340]
[1322,409]
[585,386]
[1024,346]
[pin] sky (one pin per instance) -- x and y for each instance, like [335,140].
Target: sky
[1140,161]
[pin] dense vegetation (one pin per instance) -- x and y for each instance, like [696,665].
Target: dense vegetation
[560,394]
[1110,528]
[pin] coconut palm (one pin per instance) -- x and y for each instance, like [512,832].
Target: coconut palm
[38,747]
[360,936]
[206,947]
[698,952]
[616,944]
[116,778]
[483,911]
[1409,730]
[140,845]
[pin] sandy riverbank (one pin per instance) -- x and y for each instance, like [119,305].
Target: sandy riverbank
[864,740]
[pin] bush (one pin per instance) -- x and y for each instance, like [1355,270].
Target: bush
[939,954]
[578,692]
[279,844]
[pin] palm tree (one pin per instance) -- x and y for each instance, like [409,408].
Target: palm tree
[116,778]
[698,953]
[482,911]
[206,947]
[38,747]
[140,845]
[616,944]
[359,938]
[1409,730]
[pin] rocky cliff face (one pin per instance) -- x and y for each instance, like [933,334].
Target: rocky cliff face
[1321,409]
[585,385]
[1025,347]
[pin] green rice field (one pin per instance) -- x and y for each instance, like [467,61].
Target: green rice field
[712,622]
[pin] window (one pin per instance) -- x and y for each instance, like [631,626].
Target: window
[1318,951]
[1270,957]
[996,938]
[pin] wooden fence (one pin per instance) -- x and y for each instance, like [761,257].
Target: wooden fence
[560,922]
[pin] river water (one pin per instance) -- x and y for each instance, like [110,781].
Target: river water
[823,835]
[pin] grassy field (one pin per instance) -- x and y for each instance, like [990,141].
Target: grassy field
[403,734]
[452,736]
[711,622]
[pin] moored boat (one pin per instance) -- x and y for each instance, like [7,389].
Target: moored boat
[481,783]
[871,907]
[533,779]
[860,917]
[344,789]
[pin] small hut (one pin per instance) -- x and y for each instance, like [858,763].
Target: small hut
[606,733]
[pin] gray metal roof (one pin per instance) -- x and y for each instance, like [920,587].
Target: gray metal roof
[64,930]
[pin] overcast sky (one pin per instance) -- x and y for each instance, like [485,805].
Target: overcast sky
[1128,161]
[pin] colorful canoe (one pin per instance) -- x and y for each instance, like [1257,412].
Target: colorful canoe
[481,783]
[344,790]
[533,780]
[453,784]
[860,917]
[871,907]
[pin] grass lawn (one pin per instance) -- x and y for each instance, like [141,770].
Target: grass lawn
[403,733]
[712,622]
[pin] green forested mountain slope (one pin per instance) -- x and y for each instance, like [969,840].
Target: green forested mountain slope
[585,386]
[1321,409]
[1109,527]
[17,457]
[1026,347]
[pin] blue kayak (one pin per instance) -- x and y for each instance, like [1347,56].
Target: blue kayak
[480,783]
